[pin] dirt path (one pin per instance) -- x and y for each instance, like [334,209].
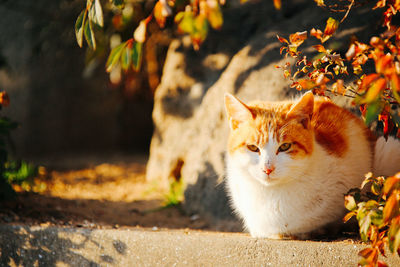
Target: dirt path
[98,193]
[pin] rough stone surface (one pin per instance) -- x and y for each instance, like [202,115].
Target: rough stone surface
[41,246]
[190,126]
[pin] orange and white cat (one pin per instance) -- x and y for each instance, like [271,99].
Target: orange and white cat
[290,163]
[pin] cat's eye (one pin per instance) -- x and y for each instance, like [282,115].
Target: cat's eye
[284,147]
[253,148]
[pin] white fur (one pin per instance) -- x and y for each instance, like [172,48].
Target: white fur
[387,156]
[300,196]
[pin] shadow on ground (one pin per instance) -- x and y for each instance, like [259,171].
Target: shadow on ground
[24,246]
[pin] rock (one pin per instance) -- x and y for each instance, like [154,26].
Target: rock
[190,125]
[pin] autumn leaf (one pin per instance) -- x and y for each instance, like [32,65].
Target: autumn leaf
[331,26]
[376,88]
[316,33]
[306,84]
[391,208]
[159,14]
[298,38]
[391,183]
[214,16]
[384,64]
[350,203]
[282,40]
[366,81]
[4,99]
[320,48]
[277,4]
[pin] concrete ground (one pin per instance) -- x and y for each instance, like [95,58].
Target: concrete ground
[57,246]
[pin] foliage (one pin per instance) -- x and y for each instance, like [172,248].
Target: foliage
[175,194]
[11,172]
[377,93]
[378,215]
[192,17]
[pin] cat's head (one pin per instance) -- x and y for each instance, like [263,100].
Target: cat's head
[272,142]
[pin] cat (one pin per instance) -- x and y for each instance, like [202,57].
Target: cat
[290,163]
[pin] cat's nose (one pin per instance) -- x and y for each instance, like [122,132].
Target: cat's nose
[268,170]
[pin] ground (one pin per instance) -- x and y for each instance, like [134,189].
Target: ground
[97,193]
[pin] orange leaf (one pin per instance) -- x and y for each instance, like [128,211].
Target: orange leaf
[391,208]
[320,48]
[367,81]
[390,183]
[306,84]
[331,26]
[159,14]
[316,33]
[298,38]
[4,99]
[384,64]
[349,216]
[282,40]
[377,87]
[395,82]
[277,4]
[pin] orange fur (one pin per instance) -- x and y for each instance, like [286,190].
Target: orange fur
[328,124]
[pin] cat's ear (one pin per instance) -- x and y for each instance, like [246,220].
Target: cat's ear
[237,111]
[303,109]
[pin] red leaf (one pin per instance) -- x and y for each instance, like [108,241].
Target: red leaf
[282,40]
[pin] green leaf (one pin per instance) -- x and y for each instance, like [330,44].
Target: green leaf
[186,22]
[80,21]
[137,55]
[114,56]
[126,57]
[373,110]
[89,34]
[96,13]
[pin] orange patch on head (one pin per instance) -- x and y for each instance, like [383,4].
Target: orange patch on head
[272,118]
